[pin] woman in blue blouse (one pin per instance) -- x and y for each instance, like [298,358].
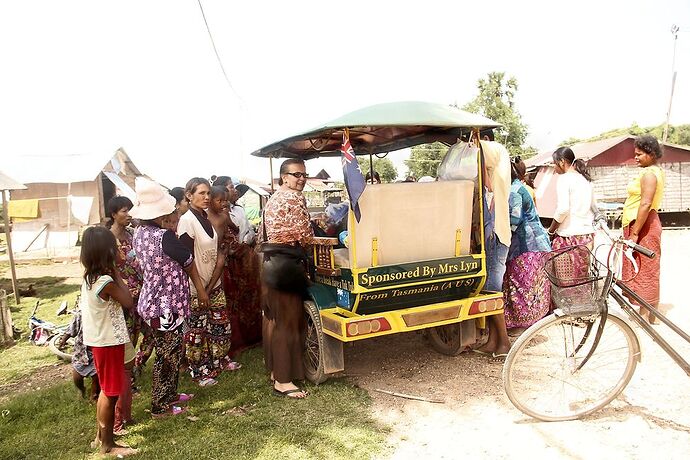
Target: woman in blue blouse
[526,288]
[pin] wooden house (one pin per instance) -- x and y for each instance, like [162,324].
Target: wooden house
[612,165]
[65,193]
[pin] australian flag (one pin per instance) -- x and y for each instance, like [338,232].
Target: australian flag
[354,180]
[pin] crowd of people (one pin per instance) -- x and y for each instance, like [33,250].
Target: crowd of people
[188,282]
[182,282]
[518,246]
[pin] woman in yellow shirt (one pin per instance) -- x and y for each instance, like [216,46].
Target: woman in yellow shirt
[641,222]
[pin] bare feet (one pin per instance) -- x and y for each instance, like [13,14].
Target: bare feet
[118,451]
[516,331]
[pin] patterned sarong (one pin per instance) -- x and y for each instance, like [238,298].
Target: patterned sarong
[526,290]
[573,265]
[207,336]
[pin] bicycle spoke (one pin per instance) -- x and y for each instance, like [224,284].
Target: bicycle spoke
[565,391]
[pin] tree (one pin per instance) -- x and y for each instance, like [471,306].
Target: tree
[425,158]
[679,134]
[383,166]
[496,101]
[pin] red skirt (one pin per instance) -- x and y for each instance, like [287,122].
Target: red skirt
[646,282]
[110,367]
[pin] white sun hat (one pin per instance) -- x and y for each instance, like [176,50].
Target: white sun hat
[152,200]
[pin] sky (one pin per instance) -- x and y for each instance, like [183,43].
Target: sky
[86,76]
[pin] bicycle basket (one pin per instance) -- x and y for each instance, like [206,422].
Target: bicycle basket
[576,280]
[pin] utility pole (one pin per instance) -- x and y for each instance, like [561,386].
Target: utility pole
[674,31]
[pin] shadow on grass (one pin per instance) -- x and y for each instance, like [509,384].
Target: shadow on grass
[43,287]
[333,422]
[24,358]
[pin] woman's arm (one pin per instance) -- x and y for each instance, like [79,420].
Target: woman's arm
[648,189]
[515,208]
[117,290]
[177,251]
[218,269]
[562,204]
[198,284]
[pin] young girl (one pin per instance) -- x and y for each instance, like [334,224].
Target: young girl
[103,296]
[227,235]
[128,268]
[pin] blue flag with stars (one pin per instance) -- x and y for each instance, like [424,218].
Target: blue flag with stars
[352,173]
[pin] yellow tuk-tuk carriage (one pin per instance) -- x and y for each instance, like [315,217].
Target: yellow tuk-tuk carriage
[416,258]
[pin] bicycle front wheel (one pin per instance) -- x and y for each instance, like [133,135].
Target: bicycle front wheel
[541,376]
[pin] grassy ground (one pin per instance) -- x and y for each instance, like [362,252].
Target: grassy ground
[24,358]
[238,418]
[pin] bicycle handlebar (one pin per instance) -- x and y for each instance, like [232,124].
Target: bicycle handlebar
[635,247]
[641,249]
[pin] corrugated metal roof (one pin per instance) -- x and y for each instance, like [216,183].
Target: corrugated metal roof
[63,169]
[56,169]
[584,150]
[7,183]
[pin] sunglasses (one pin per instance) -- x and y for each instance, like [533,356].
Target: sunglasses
[298,175]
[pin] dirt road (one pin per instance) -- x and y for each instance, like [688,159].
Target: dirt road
[650,420]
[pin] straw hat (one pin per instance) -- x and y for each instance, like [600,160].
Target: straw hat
[152,200]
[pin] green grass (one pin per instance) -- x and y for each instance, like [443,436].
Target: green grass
[334,422]
[24,358]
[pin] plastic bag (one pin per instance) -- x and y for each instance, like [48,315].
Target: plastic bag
[459,163]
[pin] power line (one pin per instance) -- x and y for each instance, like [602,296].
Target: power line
[215,50]
[243,106]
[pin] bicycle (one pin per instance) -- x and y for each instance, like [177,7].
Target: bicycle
[587,352]
[43,332]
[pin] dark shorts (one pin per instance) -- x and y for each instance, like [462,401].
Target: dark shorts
[110,367]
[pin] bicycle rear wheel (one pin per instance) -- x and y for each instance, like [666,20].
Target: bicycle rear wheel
[540,375]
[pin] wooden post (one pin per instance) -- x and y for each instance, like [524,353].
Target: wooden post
[5,321]
[9,246]
[69,215]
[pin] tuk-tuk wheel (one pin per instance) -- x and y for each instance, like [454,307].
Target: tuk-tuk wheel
[313,349]
[447,339]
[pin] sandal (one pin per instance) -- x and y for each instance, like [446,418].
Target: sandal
[182,398]
[289,393]
[480,352]
[207,382]
[232,366]
[172,410]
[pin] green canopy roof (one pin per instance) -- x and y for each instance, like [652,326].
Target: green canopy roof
[379,129]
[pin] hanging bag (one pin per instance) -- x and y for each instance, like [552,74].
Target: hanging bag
[460,162]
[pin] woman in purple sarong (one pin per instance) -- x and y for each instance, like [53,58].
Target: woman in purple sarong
[526,288]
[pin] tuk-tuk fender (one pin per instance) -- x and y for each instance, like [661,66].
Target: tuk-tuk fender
[323,296]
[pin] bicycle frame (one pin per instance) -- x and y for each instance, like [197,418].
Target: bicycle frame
[631,311]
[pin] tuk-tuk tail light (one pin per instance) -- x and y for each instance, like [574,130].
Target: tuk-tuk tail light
[369,326]
[483,306]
